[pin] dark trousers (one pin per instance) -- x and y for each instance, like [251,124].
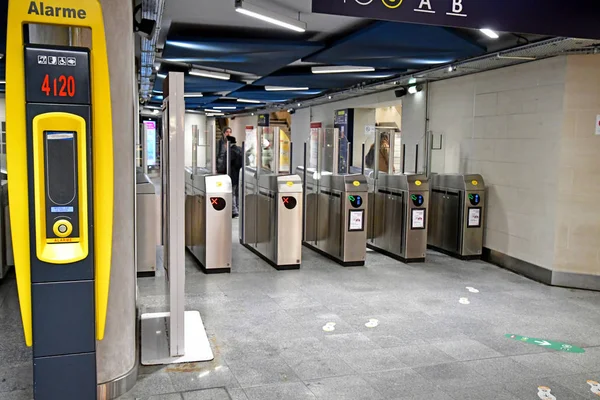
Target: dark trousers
[235,199]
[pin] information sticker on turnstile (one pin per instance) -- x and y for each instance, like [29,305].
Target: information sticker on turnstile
[356,221]
[474,218]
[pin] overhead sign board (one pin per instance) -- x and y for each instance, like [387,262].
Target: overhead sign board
[578,19]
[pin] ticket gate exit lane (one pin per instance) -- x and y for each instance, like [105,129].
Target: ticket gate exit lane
[398,205]
[208,225]
[271,217]
[337,216]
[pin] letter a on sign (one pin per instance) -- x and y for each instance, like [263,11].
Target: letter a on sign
[425,3]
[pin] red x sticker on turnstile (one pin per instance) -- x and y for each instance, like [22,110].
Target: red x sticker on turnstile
[218,203]
[289,202]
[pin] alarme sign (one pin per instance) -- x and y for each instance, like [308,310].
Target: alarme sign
[575,18]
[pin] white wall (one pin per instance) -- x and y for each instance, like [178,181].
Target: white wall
[192,119]
[389,114]
[506,125]
[238,126]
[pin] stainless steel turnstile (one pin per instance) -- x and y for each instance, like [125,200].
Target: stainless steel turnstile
[398,207]
[271,217]
[457,211]
[146,224]
[336,216]
[208,228]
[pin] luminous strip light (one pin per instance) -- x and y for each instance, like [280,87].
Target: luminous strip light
[225,108]
[211,110]
[214,114]
[210,74]
[193,95]
[270,17]
[153,107]
[489,33]
[516,57]
[248,101]
[283,88]
[2,82]
[340,69]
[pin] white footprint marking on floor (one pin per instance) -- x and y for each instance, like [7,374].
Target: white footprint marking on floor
[372,323]
[544,393]
[329,327]
[464,300]
[595,387]
[472,289]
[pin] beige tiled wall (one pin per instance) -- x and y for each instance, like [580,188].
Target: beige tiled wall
[577,244]
[506,124]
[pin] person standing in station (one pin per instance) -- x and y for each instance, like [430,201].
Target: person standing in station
[236,158]
[221,151]
[384,154]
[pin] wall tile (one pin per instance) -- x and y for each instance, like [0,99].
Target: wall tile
[486,104]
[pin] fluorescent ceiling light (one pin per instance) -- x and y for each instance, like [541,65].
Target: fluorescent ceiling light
[212,110]
[224,108]
[162,76]
[2,82]
[154,107]
[412,90]
[210,74]
[340,69]
[214,114]
[268,16]
[193,95]
[248,101]
[489,33]
[283,88]
[516,57]
[193,111]
[155,112]
[412,81]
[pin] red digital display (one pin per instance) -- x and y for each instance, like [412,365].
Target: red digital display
[61,86]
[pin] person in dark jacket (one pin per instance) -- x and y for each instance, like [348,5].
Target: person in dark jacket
[236,158]
[221,152]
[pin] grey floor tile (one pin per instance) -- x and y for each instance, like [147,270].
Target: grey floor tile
[314,367]
[207,394]
[420,355]
[262,371]
[371,360]
[237,394]
[285,391]
[151,385]
[458,374]
[350,387]
[172,396]
[404,382]
[348,341]
[549,364]
[495,392]
[579,383]
[17,395]
[202,377]
[529,389]
[424,395]
[17,378]
[503,369]
[467,350]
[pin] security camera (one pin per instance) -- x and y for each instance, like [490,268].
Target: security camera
[145,27]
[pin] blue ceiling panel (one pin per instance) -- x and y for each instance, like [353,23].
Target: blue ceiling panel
[259,57]
[259,93]
[303,77]
[398,45]
[203,85]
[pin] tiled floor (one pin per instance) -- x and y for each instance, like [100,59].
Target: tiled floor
[266,330]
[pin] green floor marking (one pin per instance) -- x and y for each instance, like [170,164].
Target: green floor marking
[547,343]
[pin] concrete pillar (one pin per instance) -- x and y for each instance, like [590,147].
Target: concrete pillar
[117,361]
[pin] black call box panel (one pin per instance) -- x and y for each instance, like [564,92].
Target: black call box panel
[62,195]
[289,202]
[55,75]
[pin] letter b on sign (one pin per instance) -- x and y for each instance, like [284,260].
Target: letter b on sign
[457,6]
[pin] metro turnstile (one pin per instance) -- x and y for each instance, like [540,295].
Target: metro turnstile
[146,224]
[271,217]
[398,206]
[457,210]
[336,216]
[208,227]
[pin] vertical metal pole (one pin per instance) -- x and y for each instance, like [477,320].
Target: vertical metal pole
[292,157]
[304,195]
[195,140]
[176,205]
[403,159]
[213,146]
[417,160]
[362,164]
[276,148]
[227,155]
[429,149]
[242,195]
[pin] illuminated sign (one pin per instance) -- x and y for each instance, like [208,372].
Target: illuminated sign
[543,17]
[150,128]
